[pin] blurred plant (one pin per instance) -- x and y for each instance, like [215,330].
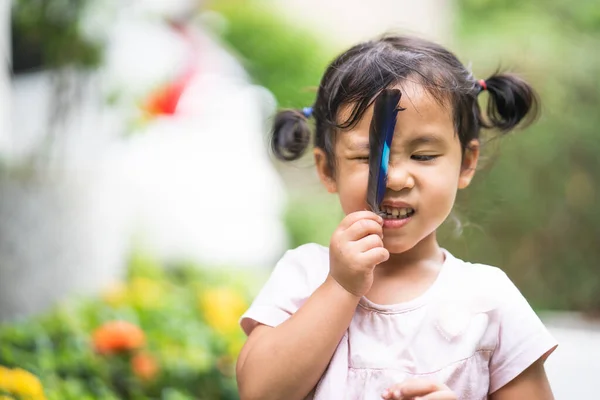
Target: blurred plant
[535,207]
[312,218]
[144,366]
[222,308]
[21,384]
[279,53]
[143,338]
[48,34]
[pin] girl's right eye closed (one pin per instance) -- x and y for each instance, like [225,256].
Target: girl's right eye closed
[424,157]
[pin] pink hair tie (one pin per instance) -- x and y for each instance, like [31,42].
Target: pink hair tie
[482,84]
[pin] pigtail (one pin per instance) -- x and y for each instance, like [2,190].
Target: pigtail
[512,101]
[290,134]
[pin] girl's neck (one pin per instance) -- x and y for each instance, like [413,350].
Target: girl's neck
[408,275]
[425,253]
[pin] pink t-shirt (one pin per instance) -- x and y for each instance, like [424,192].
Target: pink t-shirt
[472,330]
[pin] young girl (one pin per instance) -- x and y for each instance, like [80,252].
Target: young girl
[385,312]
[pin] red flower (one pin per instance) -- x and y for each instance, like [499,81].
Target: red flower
[117,336]
[164,101]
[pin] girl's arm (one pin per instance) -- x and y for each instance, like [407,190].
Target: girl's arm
[531,384]
[287,361]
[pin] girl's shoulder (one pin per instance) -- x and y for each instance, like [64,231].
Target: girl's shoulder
[310,257]
[297,274]
[470,270]
[484,287]
[311,251]
[308,263]
[476,273]
[514,334]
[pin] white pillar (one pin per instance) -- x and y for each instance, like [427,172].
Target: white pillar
[5,62]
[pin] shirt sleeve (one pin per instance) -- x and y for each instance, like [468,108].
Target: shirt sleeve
[522,337]
[289,286]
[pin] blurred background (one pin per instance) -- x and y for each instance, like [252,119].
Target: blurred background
[140,209]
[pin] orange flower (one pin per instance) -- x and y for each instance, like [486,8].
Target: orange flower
[116,336]
[144,366]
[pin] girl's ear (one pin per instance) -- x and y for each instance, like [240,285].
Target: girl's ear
[469,164]
[324,171]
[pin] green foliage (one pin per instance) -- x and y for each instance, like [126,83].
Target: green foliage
[279,54]
[584,16]
[49,33]
[312,219]
[535,207]
[188,316]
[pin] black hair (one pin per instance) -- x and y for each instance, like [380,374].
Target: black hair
[358,75]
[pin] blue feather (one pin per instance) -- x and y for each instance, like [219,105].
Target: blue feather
[381,132]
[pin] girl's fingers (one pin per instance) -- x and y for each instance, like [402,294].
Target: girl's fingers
[356,216]
[368,242]
[374,256]
[361,228]
[441,395]
[419,389]
[393,393]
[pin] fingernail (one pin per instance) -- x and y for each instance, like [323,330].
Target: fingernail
[397,393]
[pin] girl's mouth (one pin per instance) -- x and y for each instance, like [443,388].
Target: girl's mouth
[395,218]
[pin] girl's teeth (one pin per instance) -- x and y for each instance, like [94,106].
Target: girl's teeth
[397,212]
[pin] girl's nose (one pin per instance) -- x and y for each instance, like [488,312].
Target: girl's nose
[399,177]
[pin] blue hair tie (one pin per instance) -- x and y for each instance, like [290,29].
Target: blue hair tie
[307,112]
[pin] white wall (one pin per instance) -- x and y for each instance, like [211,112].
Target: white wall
[197,185]
[349,21]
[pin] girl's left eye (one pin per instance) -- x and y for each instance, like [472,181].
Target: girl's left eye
[424,157]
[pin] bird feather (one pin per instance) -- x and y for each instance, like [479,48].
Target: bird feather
[381,132]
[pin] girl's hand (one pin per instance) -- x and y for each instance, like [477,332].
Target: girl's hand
[355,249]
[419,389]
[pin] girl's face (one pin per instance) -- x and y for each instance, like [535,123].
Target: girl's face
[426,168]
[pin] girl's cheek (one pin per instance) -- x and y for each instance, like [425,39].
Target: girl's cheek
[353,175]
